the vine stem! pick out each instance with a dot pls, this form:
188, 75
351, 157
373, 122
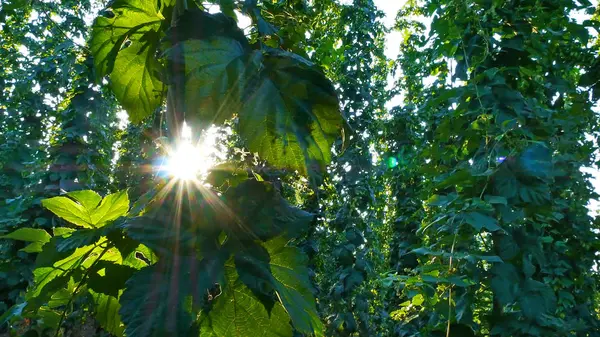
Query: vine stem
87, 272
450, 289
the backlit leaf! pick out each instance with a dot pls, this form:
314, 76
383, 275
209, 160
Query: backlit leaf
291, 115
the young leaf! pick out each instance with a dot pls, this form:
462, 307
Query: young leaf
112, 207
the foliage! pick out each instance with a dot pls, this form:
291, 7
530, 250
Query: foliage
451, 203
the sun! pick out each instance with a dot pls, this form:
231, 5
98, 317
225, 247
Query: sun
188, 159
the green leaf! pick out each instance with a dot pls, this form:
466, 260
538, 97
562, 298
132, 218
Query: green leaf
263, 213
536, 298
13, 312
505, 282
284, 269
211, 77
69, 210
536, 161
528, 267
87, 198
480, 221
507, 247
107, 313
61, 231
80, 238
505, 183
237, 312
159, 234
28, 235
48, 318
135, 78
37, 237
291, 116
438, 200
124, 42
34, 247
226, 175
492, 199
112, 207
113, 278
153, 302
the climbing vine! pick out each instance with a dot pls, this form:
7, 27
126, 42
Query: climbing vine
439, 193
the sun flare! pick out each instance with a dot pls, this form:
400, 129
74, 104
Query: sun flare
189, 159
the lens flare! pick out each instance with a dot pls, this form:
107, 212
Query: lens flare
188, 160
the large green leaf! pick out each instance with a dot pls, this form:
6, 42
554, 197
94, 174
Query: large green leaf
87, 213
112, 207
291, 115
211, 77
289, 268
505, 283
152, 303
275, 266
135, 78
37, 237
165, 235
480, 221
87, 198
107, 313
536, 298
109, 278
69, 210
124, 44
263, 213
237, 312
44, 275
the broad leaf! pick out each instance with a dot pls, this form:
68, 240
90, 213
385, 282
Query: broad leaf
153, 302
536, 298
87, 198
69, 210
283, 269
291, 115
37, 237
107, 313
135, 78
237, 312
505, 283
160, 233
124, 44
211, 77
289, 268
112, 207
480, 221
87, 213
263, 213
109, 278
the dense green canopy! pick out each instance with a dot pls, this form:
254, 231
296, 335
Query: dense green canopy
334, 191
